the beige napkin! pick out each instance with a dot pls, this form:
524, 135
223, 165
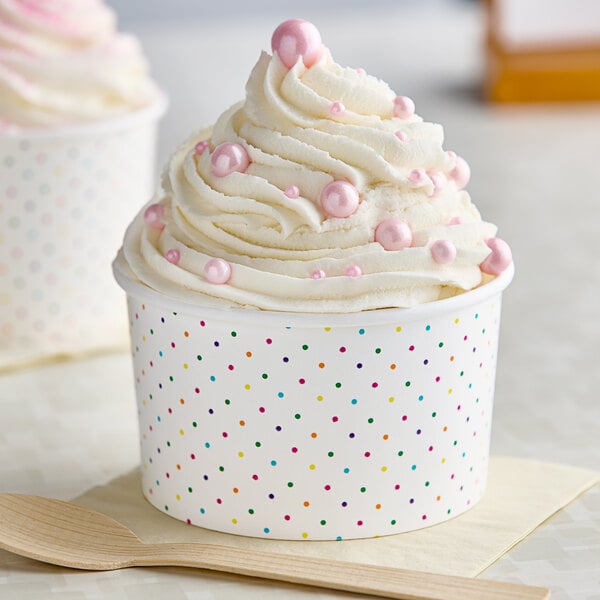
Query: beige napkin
521, 495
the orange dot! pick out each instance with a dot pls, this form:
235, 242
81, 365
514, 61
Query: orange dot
386, 436
313, 435
378, 506
306, 503
143, 307
242, 423
452, 358
179, 467
235, 490
438, 498
143, 372
393, 366
321, 365
181, 401
445, 428
186, 334
248, 354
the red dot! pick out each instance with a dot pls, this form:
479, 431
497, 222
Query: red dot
424, 517
335, 419
202, 323
301, 381
172, 344
255, 477
287, 517
170, 411
397, 486
430, 448
359, 523
219, 501
261, 409
367, 454
197, 390
193, 456
224, 434
269, 341
230, 367
437, 379
188, 521
167, 475
411, 348
404, 417
374, 384
327, 487
343, 349
294, 449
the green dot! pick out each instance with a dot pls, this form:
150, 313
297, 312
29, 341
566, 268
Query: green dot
441, 344
454, 443
323, 522
338, 385
233, 333
199, 357
265, 376
377, 350
170, 377
407, 383
448, 511
330, 454
434, 414
290, 484
363, 490
251, 511
393, 522
227, 401
257, 444
166, 507
190, 490
400, 452
168, 444
304, 347
152, 332
370, 420
194, 424
221, 468
297, 416
427, 484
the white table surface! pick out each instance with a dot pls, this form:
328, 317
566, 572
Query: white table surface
69, 426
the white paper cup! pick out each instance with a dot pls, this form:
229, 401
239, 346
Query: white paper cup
66, 195
317, 427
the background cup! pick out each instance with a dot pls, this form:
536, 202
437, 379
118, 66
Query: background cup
66, 196
320, 427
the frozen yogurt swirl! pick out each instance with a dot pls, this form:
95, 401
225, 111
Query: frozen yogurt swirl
62, 62
321, 192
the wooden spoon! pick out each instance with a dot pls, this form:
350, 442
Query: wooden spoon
69, 535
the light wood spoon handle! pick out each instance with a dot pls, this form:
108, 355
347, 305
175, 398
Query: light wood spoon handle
66, 534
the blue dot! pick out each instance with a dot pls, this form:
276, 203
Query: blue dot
420, 398
202, 511
280, 395
273, 463
158, 419
213, 378
359, 365
160, 353
266, 530
414, 467
354, 401
361, 331
207, 444
339, 538
427, 327
286, 359
346, 470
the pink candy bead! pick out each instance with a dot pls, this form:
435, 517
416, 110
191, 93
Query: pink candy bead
461, 173
393, 234
339, 199
353, 271
173, 256
318, 274
228, 158
443, 252
360, 71
217, 270
201, 147
153, 216
456, 221
404, 107
439, 182
401, 136
297, 38
292, 191
336, 109
499, 259
417, 176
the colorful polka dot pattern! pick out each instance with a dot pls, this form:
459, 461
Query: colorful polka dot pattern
317, 433
64, 206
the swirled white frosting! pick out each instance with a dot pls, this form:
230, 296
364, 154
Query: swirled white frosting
62, 62
275, 243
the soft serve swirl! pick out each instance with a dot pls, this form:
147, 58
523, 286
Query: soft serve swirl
62, 62
321, 192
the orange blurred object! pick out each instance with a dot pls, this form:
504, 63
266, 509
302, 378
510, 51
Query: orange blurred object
542, 50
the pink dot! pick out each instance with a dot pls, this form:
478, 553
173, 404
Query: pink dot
292, 191
336, 109
411, 348
354, 271
335, 419
417, 177
461, 173
443, 252
193, 456
301, 381
401, 136
327, 487
424, 517
367, 454
499, 258
230, 367
374, 384
173, 256
217, 271
360, 70
287, 517
153, 216
318, 274
201, 147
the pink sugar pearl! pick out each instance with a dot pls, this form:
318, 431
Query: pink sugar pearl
354, 271
336, 109
460, 173
292, 191
217, 271
443, 252
439, 183
456, 221
318, 274
404, 107
201, 147
153, 216
401, 136
417, 177
297, 38
339, 199
173, 256
499, 259
393, 234
227, 158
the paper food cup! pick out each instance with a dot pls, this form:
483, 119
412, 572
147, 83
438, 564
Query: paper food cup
66, 195
314, 427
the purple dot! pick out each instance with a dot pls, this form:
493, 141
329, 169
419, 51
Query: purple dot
351, 436
412, 501
278, 428
425, 362
216, 344
359, 365
271, 496
286, 359
418, 432
344, 504
211, 411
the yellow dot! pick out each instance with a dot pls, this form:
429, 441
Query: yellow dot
234, 521
305, 535
443, 460
312, 467
185, 365
450, 391
456, 320
178, 497
181, 432
143, 338
391, 399
383, 469
327, 329
143, 402
399, 328
143, 307
241, 454
320, 398
247, 386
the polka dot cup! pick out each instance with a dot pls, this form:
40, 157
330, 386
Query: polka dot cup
314, 427
66, 195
